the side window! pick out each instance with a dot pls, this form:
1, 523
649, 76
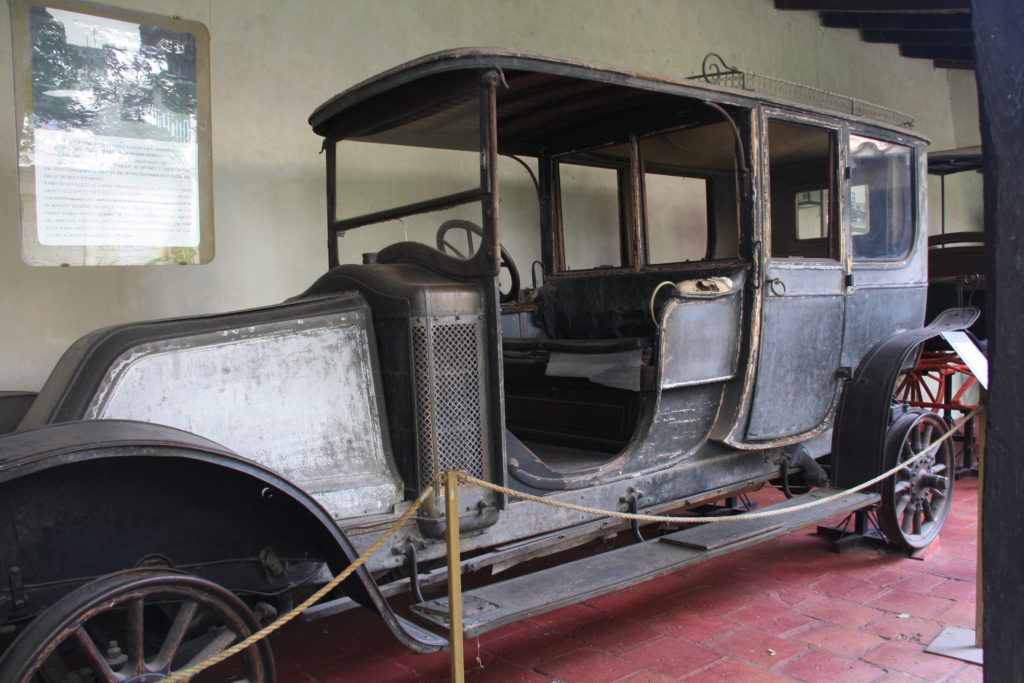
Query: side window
689, 191
801, 162
812, 213
591, 219
682, 183
881, 211
677, 218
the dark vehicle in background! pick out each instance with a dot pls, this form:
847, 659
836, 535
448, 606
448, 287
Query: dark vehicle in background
588, 284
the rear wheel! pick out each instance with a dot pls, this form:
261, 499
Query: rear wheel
916, 500
137, 626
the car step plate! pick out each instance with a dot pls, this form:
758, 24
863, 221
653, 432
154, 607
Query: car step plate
497, 604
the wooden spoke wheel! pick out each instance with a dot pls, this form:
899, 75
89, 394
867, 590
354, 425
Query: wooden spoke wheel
939, 381
916, 500
137, 626
943, 383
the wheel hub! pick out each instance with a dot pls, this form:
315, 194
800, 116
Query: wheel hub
916, 501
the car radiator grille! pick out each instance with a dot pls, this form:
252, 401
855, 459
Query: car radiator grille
448, 365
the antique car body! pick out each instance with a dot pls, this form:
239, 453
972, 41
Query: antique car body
719, 269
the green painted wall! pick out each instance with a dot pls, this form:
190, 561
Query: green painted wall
273, 62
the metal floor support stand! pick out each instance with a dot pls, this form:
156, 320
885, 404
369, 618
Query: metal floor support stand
865, 531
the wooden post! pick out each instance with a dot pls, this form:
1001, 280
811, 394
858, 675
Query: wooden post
998, 27
979, 603
451, 512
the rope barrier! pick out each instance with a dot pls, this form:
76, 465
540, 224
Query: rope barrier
191, 671
463, 477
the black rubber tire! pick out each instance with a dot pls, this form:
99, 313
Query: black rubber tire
915, 503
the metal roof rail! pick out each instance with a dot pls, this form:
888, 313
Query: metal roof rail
715, 71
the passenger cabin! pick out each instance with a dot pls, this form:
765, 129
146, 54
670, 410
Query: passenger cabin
684, 270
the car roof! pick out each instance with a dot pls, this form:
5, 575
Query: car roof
543, 103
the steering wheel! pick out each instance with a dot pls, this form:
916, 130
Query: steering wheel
471, 229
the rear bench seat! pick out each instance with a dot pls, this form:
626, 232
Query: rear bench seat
526, 344
600, 327
603, 313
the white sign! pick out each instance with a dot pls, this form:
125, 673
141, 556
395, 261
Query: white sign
113, 136
970, 354
105, 190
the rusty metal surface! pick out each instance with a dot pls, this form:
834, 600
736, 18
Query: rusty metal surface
873, 313
701, 339
143, 475
797, 378
689, 482
521, 597
271, 390
436, 349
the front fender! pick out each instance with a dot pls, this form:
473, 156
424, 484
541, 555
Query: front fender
91, 497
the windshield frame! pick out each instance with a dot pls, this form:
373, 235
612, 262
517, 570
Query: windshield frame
485, 261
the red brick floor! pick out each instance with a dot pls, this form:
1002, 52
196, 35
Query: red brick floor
785, 610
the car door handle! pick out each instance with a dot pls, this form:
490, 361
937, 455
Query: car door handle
777, 287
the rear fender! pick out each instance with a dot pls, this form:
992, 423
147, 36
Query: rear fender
83, 499
865, 410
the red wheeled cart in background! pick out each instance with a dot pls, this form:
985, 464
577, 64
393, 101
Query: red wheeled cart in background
941, 381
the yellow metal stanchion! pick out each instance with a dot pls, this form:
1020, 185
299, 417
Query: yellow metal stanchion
451, 499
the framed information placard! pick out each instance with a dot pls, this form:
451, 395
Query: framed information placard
113, 109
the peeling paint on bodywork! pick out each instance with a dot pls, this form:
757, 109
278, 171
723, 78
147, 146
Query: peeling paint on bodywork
297, 396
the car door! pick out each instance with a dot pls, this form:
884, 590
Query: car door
888, 249
805, 277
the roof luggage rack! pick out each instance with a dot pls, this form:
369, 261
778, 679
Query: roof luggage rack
715, 71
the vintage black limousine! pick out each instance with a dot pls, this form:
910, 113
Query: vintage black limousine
593, 285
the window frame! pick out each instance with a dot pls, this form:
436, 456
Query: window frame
633, 210
627, 218
709, 211
839, 249
916, 170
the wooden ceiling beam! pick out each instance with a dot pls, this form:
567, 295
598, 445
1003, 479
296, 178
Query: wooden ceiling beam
900, 6
948, 38
939, 30
937, 52
888, 21
954, 64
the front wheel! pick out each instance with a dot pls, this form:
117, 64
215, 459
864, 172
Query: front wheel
137, 626
916, 500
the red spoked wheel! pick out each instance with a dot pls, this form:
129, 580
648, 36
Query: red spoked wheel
939, 382
942, 383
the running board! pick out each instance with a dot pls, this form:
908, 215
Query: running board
497, 604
